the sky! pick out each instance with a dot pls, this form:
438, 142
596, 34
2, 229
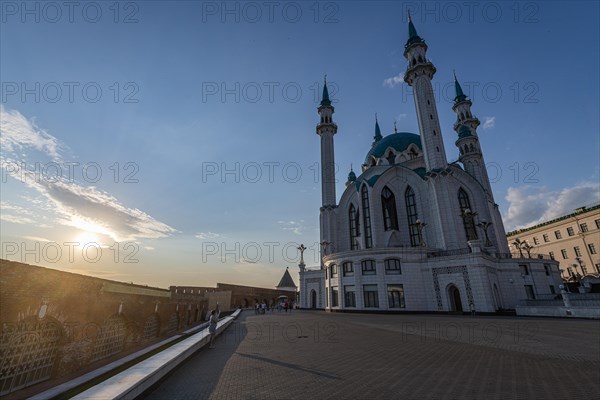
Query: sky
173, 143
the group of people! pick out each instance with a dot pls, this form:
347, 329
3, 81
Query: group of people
263, 307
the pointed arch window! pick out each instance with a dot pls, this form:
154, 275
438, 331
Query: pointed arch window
391, 158
388, 204
467, 214
354, 227
366, 216
413, 216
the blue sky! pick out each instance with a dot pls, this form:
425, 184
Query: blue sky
158, 100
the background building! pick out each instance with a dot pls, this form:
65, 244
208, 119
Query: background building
573, 240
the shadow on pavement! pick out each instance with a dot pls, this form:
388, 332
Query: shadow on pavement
197, 377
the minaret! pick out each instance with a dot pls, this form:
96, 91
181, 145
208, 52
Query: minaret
378, 135
468, 142
418, 74
326, 129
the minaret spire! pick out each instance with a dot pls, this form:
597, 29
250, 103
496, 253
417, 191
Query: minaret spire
325, 99
460, 96
378, 135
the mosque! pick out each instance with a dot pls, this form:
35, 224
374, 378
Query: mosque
413, 232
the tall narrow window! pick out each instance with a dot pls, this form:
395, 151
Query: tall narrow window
467, 214
354, 228
366, 217
411, 212
388, 204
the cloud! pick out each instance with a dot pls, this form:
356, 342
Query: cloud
295, 227
36, 239
16, 219
84, 207
394, 80
489, 122
530, 205
208, 235
92, 210
18, 133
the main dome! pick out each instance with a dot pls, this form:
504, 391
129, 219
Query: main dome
399, 141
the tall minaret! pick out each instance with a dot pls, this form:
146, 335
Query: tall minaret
468, 142
326, 129
419, 73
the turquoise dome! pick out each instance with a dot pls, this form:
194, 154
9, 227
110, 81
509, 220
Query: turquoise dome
398, 141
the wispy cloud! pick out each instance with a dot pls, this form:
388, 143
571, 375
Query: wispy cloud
394, 80
36, 239
295, 227
208, 235
16, 219
18, 133
530, 205
84, 207
489, 122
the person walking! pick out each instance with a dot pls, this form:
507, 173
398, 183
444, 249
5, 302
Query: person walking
212, 325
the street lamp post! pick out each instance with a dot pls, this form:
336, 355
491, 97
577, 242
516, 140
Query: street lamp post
420, 225
324, 245
581, 265
485, 225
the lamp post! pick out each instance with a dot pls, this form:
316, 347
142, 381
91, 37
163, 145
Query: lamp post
518, 243
324, 245
469, 218
485, 225
420, 225
581, 265
301, 248
527, 247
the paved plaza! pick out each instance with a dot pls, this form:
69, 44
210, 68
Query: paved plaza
316, 355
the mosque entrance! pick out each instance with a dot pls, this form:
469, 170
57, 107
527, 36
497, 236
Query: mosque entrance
455, 302
313, 299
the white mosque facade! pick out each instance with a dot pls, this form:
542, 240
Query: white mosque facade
413, 232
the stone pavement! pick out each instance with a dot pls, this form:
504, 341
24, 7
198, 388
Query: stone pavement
316, 355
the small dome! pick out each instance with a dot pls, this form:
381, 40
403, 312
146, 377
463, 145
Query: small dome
398, 141
351, 176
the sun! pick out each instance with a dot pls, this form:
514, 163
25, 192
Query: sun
86, 237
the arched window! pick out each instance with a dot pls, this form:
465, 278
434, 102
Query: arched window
411, 213
354, 227
388, 204
391, 158
467, 214
366, 217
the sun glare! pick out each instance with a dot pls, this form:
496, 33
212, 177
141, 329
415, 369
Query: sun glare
86, 237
